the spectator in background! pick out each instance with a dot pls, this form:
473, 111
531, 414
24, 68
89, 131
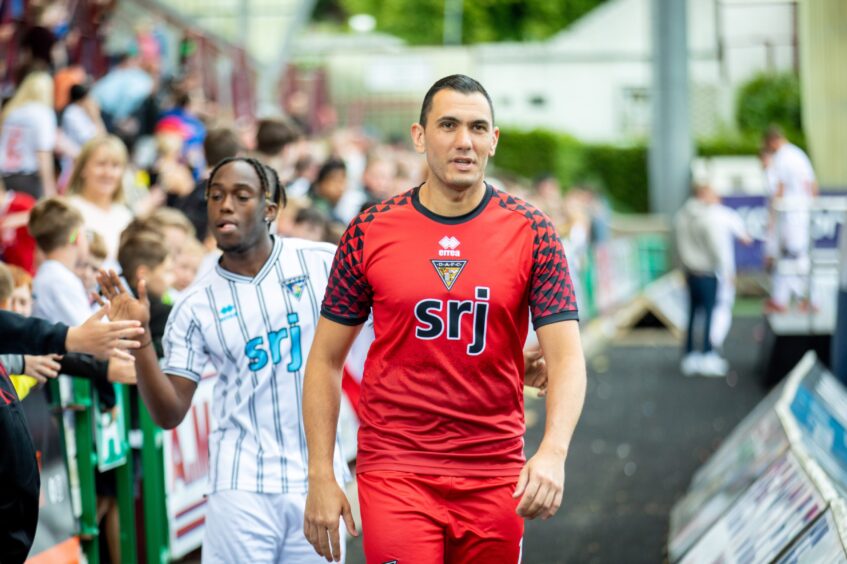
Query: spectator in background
81, 122
377, 185
16, 244
329, 187
121, 92
218, 145
64, 80
185, 268
548, 196
96, 188
309, 224
28, 138
183, 121
25, 371
144, 256
275, 139
305, 172
59, 231
81, 119
698, 239
168, 173
795, 187
20, 301
88, 267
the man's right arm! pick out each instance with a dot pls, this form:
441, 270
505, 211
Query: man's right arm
168, 397
325, 502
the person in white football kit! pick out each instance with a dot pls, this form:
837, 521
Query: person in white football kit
795, 188
253, 318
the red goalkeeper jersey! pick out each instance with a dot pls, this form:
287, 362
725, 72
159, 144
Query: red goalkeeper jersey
442, 391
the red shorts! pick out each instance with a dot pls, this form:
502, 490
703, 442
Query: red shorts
422, 519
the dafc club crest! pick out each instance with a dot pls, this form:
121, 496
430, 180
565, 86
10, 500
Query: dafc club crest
449, 271
295, 286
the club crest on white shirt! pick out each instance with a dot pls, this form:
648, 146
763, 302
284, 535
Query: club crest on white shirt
296, 285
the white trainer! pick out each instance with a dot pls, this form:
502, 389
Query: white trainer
691, 364
713, 366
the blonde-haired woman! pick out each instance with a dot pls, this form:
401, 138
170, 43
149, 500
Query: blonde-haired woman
28, 137
96, 189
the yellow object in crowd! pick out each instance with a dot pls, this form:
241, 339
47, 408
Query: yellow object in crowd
23, 384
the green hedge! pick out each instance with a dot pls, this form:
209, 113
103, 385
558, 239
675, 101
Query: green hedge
619, 172
771, 99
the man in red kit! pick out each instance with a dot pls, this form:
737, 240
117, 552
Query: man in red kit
449, 270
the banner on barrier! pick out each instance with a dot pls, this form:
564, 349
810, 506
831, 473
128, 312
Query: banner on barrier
764, 520
110, 434
186, 454
820, 543
753, 446
819, 407
753, 210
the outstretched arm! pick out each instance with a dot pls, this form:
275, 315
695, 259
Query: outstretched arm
167, 397
541, 482
325, 502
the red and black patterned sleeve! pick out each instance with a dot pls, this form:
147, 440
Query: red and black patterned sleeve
348, 296
551, 294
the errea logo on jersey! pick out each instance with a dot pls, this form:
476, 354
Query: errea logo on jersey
448, 247
227, 312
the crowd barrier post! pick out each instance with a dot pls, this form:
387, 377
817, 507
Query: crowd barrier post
588, 280
125, 478
86, 455
153, 469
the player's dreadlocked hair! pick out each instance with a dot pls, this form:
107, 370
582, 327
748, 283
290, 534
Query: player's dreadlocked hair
274, 191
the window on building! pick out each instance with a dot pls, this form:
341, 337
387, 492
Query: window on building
635, 111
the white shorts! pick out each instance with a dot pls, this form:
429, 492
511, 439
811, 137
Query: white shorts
257, 528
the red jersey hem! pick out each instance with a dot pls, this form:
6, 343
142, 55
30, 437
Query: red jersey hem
436, 470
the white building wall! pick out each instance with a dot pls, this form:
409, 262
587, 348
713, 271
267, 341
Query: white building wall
593, 79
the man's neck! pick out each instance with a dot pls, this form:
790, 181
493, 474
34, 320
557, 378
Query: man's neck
250, 261
447, 202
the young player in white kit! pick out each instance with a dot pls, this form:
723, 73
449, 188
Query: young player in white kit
253, 318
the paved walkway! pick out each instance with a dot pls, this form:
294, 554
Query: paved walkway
644, 431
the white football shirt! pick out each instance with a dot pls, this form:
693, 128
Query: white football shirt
26, 131
257, 333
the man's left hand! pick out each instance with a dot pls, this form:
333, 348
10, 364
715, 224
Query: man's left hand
542, 484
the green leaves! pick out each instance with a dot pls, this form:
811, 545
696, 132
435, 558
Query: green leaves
421, 22
771, 99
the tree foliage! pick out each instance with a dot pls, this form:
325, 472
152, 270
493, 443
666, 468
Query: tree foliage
770, 99
421, 22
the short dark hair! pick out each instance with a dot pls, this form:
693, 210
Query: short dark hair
52, 223
142, 248
457, 82
220, 144
274, 134
78, 92
310, 216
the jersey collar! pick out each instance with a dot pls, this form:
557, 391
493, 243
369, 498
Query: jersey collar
266, 268
447, 220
